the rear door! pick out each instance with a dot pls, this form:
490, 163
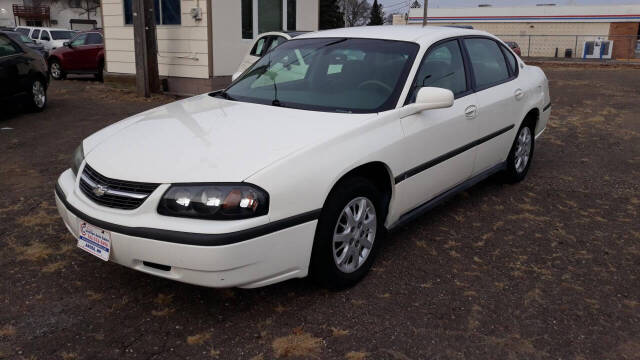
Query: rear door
498, 99
89, 52
437, 150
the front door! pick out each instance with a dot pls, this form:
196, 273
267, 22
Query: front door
73, 59
437, 149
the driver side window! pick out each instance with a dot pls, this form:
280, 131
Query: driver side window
443, 67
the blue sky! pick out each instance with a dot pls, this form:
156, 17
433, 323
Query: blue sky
392, 6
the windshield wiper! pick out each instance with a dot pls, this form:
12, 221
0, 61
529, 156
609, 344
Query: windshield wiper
223, 94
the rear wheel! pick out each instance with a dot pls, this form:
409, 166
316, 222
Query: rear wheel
521, 154
100, 72
55, 69
38, 96
348, 235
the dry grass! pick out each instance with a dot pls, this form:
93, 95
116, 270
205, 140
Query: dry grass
339, 332
93, 296
7, 331
68, 355
53, 267
299, 344
198, 339
163, 299
356, 355
214, 353
34, 252
162, 312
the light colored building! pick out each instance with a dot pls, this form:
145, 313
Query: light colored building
540, 30
200, 53
45, 13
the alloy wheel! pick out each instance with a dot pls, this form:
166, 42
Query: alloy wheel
354, 234
523, 149
39, 95
55, 70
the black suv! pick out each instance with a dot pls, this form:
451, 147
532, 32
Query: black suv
23, 73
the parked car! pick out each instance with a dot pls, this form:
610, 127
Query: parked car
273, 178
27, 41
84, 54
23, 73
262, 44
50, 38
514, 46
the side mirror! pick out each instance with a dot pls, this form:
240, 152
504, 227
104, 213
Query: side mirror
429, 98
67, 44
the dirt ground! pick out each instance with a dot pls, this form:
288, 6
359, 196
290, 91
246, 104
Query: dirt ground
547, 268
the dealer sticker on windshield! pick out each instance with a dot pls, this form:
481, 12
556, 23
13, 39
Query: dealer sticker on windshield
95, 241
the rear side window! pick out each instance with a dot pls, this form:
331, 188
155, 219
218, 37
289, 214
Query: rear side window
442, 67
24, 31
94, 39
511, 60
260, 46
487, 61
45, 35
35, 34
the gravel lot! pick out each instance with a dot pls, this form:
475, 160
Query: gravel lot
547, 268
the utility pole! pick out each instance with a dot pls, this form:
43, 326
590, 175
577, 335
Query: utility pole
424, 15
146, 47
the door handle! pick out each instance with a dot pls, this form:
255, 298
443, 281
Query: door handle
519, 94
471, 112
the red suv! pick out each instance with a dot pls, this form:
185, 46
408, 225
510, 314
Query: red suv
83, 54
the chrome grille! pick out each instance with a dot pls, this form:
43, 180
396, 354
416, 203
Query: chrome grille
113, 193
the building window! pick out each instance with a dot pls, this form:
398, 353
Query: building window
247, 19
261, 16
291, 15
167, 12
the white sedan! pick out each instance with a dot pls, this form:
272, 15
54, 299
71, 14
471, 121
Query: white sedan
280, 176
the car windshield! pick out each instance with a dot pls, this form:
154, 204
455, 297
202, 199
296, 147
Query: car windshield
26, 39
328, 74
61, 34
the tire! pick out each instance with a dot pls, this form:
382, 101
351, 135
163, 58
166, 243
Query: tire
325, 262
521, 151
55, 69
100, 72
37, 95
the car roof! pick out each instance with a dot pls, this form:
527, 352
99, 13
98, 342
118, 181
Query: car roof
43, 28
419, 34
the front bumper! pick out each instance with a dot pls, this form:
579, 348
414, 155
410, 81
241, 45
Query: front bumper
264, 259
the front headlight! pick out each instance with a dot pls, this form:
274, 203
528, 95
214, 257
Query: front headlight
214, 201
76, 160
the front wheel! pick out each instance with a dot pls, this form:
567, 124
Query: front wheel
38, 96
348, 235
521, 154
55, 69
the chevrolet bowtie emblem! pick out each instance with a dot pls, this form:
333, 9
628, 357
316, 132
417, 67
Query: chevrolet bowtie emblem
99, 190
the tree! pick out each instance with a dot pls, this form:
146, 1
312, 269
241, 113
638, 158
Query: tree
89, 6
356, 12
331, 16
377, 15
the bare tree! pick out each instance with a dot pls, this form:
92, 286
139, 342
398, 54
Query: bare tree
356, 12
88, 6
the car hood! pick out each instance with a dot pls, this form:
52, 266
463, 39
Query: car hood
207, 139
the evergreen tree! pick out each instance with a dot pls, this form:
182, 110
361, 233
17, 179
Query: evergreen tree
377, 17
330, 15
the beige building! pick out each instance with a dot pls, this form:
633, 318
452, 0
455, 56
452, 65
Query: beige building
547, 30
201, 42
